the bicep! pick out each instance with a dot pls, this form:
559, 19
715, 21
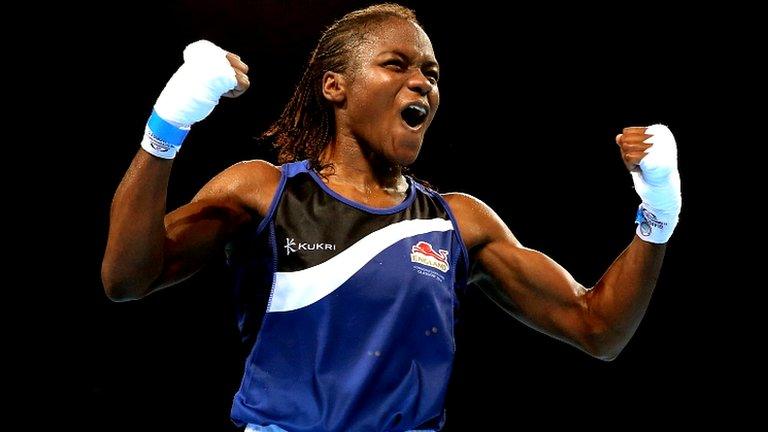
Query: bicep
526, 283
195, 231
193, 234
532, 287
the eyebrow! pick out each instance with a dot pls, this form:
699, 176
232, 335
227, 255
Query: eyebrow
428, 63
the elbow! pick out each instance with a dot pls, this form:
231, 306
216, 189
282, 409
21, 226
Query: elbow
120, 289
118, 292
603, 342
601, 350
607, 355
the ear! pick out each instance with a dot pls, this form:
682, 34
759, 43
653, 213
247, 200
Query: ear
334, 87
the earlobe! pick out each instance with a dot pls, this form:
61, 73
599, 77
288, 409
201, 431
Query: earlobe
334, 87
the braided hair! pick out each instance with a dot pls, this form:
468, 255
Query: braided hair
307, 124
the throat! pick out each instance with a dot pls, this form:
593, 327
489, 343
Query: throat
367, 194
365, 179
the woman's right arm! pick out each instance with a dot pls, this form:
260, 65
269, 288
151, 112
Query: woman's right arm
148, 250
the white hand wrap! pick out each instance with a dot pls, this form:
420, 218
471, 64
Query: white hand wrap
657, 181
190, 95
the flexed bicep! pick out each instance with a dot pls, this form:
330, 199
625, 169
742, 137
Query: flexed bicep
194, 233
524, 282
533, 288
199, 229
137, 265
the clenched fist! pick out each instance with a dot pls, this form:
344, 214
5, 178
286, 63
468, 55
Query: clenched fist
650, 154
241, 74
208, 73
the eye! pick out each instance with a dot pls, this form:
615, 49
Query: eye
395, 64
433, 75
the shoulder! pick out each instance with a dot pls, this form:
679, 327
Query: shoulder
256, 170
478, 223
251, 184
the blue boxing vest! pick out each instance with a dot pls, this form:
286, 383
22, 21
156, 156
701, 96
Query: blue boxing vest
348, 310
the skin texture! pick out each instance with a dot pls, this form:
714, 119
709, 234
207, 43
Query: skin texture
394, 67
148, 250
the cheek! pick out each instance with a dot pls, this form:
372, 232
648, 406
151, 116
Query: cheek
367, 96
434, 102
378, 87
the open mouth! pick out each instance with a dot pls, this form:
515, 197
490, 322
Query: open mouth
414, 115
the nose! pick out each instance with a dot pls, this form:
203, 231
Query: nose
419, 83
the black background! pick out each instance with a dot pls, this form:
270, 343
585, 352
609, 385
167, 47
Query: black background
531, 100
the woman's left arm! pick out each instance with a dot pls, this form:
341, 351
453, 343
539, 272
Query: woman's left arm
539, 292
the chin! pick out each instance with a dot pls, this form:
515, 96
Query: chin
406, 158
402, 146
406, 149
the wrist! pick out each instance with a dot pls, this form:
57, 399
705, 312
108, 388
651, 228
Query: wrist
163, 138
655, 226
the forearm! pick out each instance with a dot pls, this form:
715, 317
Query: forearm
620, 298
134, 255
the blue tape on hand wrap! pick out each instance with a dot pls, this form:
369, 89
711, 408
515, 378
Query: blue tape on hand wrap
165, 131
162, 138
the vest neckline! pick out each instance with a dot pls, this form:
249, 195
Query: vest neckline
374, 210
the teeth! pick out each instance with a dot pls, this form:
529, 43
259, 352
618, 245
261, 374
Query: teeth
420, 109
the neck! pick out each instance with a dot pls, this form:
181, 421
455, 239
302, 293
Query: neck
365, 170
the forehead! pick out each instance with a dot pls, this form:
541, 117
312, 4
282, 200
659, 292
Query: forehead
397, 34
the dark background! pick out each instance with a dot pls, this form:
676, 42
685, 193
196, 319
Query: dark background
532, 99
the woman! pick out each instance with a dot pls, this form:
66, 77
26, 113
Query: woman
355, 263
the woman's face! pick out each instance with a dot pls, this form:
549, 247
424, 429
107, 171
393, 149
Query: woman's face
392, 93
